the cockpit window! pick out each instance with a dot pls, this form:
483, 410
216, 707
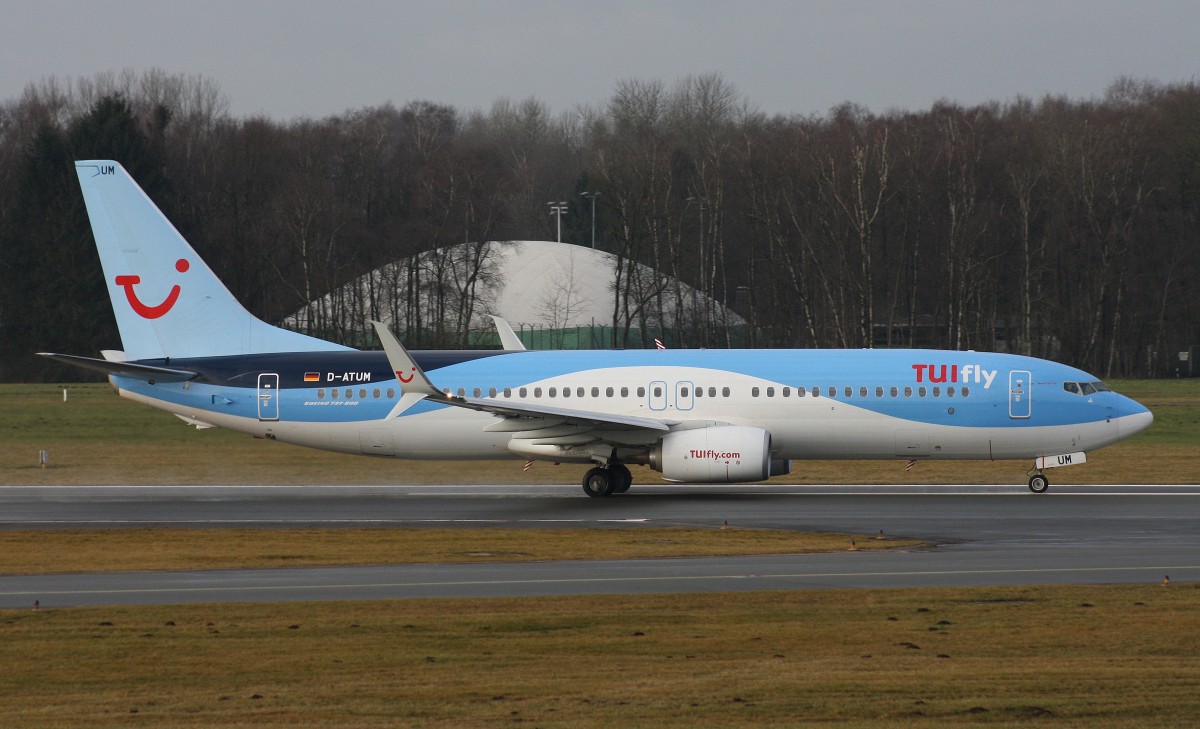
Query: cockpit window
1086, 388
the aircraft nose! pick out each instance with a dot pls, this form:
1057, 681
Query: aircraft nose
1136, 423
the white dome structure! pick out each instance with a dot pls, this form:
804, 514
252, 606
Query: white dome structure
537, 286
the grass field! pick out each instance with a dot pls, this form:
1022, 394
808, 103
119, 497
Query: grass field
1095, 657
113, 550
98, 438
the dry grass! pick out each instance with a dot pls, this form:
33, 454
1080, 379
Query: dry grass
1112, 656
98, 438
41, 552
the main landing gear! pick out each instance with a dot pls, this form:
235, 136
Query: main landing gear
616, 479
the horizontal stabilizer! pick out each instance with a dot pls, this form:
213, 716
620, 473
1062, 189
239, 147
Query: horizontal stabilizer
129, 369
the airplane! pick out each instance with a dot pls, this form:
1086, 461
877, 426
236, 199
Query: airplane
695, 416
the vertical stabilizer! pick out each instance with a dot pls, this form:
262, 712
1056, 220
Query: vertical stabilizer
168, 302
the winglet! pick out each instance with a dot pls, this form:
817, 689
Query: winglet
508, 338
412, 378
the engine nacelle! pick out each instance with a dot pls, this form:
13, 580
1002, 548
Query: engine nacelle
721, 454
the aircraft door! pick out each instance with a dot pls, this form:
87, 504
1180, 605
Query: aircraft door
658, 395
268, 396
684, 395
1020, 394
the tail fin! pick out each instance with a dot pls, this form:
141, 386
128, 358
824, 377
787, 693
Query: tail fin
168, 302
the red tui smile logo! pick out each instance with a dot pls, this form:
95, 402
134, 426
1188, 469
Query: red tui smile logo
147, 311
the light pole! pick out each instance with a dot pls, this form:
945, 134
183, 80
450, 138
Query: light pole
592, 196
558, 209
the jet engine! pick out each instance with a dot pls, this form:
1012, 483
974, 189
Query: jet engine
720, 454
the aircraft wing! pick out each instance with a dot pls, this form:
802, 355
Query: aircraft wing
518, 416
568, 416
129, 369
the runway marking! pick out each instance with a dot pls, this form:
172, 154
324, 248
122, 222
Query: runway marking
595, 580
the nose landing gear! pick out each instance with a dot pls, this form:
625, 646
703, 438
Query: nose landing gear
1038, 483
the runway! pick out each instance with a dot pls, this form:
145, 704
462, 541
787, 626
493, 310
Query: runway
981, 536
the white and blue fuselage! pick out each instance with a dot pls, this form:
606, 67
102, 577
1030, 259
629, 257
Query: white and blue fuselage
852, 404
703, 416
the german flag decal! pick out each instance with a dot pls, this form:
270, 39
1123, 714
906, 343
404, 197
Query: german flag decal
312, 376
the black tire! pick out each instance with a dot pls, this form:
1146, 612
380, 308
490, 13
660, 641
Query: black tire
598, 482
1038, 484
622, 478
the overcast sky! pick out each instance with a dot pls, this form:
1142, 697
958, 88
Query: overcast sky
320, 57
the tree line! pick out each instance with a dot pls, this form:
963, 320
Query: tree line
1059, 228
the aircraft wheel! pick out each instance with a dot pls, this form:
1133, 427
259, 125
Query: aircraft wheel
1038, 484
622, 478
597, 482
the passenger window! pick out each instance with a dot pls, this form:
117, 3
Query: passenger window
908, 391
849, 391
724, 392
537, 392
683, 392
523, 392
966, 392
375, 393
770, 392
658, 392
801, 392
553, 392
937, 392
833, 392
508, 392
478, 392
579, 392
895, 392
816, 392
641, 392
699, 392
491, 392
595, 392
921, 391
349, 394
787, 391
754, 392
566, 392
608, 392
712, 392
321, 394
949, 392
462, 392
391, 394
624, 392
878, 392
336, 393
862, 392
